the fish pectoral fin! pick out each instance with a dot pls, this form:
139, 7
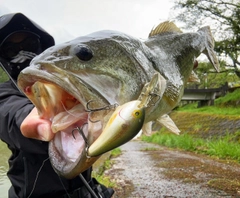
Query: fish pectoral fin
193, 77
147, 128
209, 47
167, 122
153, 91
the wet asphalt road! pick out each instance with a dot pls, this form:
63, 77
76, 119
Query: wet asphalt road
138, 173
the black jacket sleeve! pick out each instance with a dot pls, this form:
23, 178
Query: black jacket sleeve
14, 107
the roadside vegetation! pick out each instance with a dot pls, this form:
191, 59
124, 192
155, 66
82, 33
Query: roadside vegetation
99, 172
226, 105
223, 147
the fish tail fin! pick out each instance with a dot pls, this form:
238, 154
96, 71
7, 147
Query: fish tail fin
209, 47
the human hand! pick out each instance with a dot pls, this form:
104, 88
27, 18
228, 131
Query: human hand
35, 127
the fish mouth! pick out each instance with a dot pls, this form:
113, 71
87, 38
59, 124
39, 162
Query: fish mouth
74, 122
75, 127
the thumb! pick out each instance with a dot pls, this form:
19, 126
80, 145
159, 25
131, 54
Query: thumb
35, 127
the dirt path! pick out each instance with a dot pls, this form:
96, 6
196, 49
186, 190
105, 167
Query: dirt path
151, 171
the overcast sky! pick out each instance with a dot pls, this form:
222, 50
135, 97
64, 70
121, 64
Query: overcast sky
68, 19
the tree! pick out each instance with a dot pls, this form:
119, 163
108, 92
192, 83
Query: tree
223, 16
210, 79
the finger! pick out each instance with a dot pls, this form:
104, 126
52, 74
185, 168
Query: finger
35, 127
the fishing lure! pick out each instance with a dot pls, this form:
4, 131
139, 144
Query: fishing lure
125, 122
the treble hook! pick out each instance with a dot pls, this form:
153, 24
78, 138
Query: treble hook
149, 99
107, 107
80, 130
152, 102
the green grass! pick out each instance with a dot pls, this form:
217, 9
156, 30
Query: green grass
99, 175
231, 99
116, 152
192, 108
3, 76
226, 105
150, 149
223, 148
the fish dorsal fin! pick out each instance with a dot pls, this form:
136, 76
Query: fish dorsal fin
165, 27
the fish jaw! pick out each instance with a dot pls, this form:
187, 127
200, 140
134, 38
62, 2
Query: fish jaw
66, 110
67, 148
62, 165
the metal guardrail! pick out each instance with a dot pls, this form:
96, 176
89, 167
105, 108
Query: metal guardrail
204, 96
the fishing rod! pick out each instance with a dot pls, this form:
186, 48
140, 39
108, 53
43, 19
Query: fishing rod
90, 190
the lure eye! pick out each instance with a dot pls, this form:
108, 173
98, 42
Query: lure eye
83, 52
137, 113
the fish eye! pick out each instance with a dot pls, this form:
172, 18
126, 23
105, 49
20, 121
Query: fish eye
83, 52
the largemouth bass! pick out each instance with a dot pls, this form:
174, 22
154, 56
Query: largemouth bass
79, 84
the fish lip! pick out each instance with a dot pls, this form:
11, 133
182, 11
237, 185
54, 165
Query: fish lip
63, 167
64, 164
47, 71
70, 170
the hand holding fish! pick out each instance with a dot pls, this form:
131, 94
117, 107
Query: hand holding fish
35, 127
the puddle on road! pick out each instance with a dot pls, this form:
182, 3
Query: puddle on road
200, 170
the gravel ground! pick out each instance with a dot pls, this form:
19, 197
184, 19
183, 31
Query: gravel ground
151, 171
